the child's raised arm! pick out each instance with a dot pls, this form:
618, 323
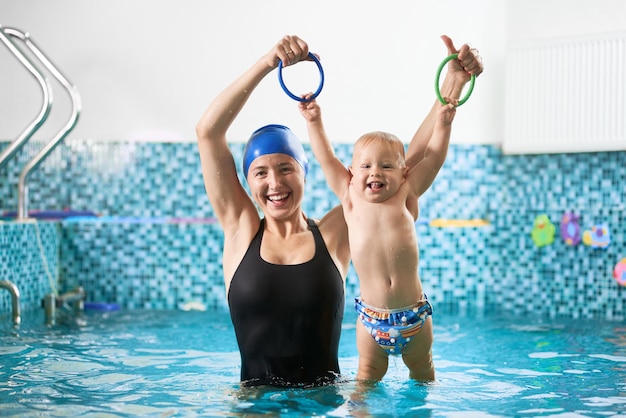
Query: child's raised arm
424, 173
458, 74
337, 175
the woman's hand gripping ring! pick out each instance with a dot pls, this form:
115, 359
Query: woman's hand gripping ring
289, 93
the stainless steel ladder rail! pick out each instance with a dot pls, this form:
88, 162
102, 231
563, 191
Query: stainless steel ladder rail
22, 208
5, 36
15, 299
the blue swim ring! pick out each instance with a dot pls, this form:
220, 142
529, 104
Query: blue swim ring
289, 93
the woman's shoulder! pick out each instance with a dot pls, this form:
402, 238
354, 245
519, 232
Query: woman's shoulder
332, 217
335, 234
333, 225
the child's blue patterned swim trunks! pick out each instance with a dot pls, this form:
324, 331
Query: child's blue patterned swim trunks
393, 328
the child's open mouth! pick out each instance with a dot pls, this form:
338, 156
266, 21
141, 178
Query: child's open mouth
375, 186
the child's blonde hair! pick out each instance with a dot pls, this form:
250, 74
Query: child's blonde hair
384, 138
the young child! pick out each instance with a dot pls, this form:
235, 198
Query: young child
379, 194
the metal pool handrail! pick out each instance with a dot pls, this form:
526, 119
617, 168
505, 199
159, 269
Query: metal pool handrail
22, 210
74, 298
46, 90
15, 299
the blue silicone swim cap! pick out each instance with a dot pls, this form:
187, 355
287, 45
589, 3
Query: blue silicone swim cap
274, 139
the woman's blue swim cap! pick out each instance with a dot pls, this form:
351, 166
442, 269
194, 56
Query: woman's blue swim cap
274, 139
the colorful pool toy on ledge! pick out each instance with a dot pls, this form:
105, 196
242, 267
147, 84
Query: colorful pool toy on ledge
570, 229
619, 272
597, 237
543, 231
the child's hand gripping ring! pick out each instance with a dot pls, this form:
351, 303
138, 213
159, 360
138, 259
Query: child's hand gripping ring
438, 91
293, 96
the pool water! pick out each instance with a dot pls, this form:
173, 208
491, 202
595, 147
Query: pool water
176, 363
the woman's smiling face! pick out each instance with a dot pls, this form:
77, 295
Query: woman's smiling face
277, 184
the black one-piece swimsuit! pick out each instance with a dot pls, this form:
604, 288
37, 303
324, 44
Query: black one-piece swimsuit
287, 318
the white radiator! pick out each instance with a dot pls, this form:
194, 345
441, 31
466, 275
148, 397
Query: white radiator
566, 95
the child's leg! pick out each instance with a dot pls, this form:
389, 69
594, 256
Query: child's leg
373, 360
417, 354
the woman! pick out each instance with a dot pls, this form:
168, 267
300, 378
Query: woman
284, 273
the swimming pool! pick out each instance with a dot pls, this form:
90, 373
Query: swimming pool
176, 363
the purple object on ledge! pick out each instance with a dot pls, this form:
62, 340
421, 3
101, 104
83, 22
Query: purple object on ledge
51, 214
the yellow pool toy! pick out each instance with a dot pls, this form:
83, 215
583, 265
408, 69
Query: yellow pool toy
458, 223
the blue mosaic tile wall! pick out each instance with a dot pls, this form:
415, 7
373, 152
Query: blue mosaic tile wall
29, 258
111, 179
158, 252
144, 264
